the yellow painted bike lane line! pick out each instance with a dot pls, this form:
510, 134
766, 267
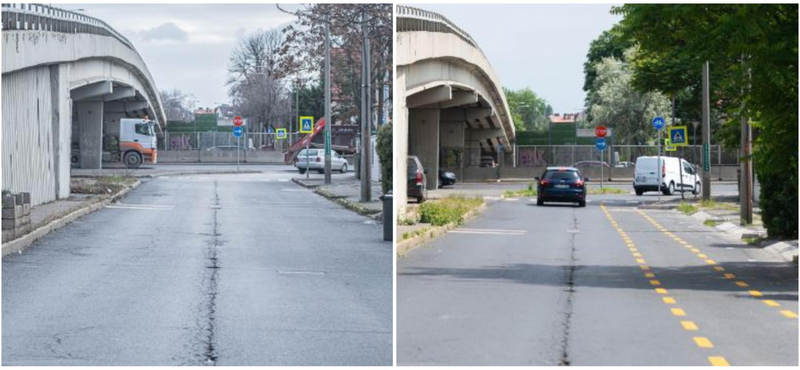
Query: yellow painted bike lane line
727, 273
661, 292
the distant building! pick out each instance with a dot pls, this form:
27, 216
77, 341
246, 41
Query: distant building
570, 118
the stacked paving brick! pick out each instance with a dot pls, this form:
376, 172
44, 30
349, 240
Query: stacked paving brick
16, 215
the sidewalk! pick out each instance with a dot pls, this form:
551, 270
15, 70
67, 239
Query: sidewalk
722, 214
52, 216
346, 190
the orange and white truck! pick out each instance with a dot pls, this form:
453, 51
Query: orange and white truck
135, 144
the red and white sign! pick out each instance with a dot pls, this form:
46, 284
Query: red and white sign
238, 121
600, 131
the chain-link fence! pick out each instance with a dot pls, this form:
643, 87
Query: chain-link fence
225, 141
567, 155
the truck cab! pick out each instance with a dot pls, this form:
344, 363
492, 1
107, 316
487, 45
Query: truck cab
136, 143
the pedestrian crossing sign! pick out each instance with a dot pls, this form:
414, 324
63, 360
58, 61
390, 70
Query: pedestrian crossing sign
669, 146
281, 133
306, 125
677, 136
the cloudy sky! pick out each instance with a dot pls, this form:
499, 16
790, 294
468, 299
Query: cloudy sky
187, 46
540, 46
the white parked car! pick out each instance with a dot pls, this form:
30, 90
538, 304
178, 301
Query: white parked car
316, 161
648, 176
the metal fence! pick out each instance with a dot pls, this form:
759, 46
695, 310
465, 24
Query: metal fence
566, 155
225, 141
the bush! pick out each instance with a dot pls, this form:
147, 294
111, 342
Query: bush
448, 210
384, 149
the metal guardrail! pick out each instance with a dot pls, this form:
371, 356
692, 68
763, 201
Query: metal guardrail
48, 18
415, 19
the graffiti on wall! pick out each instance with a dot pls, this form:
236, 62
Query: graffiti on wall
180, 143
532, 158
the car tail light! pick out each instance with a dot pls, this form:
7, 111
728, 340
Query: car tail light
544, 183
577, 184
418, 177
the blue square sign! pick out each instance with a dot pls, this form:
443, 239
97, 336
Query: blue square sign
306, 124
677, 135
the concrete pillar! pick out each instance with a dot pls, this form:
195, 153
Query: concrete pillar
62, 128
400, 142
451, 138
90, 121
423, 141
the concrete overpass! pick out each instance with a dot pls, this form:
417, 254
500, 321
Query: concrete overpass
447, 96
67, 80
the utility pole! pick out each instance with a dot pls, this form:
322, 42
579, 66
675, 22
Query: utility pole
327, 100
706, 135
293, 127
366, 186
746, 163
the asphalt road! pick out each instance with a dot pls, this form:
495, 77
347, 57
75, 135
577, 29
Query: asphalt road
494, 189
560, 285
246, 269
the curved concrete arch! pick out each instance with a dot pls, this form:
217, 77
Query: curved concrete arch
419, 53
24, 49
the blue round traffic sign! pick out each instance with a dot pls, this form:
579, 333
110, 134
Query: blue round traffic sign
237, 131
601, 143
659, 123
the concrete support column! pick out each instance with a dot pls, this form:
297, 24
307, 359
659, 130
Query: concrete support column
451, 138
400, 143
90, 121
423, 141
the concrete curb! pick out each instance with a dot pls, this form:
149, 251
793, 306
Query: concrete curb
784, 250
303, 184
21, 243
353, 206
170, 174
405, 246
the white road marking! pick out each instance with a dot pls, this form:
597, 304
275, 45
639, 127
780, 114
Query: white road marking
145, 207
489, 231
301, 272
512, 199
283, 180
294, 190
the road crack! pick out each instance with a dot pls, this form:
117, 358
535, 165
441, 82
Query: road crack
569, 279
210, 288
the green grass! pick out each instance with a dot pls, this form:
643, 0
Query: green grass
687, 208
607, 191
753, 241
710, 223
415, 233
530, 191
448, 210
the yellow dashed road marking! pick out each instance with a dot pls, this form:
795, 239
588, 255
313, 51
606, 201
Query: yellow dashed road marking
711, 262
771, 303
703, 342
640, 260
644, 267
689, 325
741, 284
661, 291
729, 276
702, 255
649, 275
717, 361
719, 268
755, 293
668, 300
655, 282
789, 314
678, 312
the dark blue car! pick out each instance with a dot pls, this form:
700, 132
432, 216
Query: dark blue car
561, 184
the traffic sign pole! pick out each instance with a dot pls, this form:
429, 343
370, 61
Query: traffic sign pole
238, 148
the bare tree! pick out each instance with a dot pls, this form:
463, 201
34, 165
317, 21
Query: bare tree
255, 82
177, 105
302, 52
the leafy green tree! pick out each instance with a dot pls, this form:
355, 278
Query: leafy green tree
384, 149
619, 105
752, 52
528, 110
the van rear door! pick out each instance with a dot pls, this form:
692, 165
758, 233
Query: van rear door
647, 172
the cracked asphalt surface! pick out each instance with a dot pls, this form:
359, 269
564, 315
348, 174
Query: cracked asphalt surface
558, 285
246, 269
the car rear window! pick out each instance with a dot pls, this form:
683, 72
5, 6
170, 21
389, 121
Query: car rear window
311, 152
561, 175
411, 166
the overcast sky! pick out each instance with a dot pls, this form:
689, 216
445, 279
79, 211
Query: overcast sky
540, 46
187, 46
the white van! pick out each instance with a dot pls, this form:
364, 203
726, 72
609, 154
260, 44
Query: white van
646, 176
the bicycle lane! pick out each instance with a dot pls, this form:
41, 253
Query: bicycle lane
743, 302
